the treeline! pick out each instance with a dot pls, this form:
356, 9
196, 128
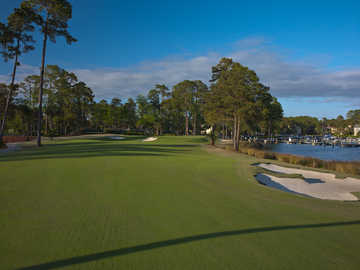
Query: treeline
235, 103
16, 37
67, 104
55, 103
69, 108
306, 125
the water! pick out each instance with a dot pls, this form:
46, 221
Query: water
317, 151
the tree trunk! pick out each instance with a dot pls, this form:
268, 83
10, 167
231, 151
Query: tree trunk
28, 131
212, 135
39, 126
10, 93
187, 124
236, 136
194, 124
46, 123
234, 132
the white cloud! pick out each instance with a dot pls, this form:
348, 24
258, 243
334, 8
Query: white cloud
21, 72
131, 82
286, 78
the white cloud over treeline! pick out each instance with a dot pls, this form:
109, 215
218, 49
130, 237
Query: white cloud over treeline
287, 78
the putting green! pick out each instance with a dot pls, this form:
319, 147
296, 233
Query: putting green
169, 204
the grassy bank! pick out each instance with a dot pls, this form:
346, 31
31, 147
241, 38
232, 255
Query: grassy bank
346, 167
170, 204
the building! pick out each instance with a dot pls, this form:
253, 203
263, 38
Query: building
333, 130
356, 130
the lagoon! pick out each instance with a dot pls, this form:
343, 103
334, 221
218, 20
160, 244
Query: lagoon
317, 151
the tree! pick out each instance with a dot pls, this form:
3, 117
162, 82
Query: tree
115, 112
52, 17
67, 102
154, 110
15, 40
129, 113
148, 112
237, 94
199, 96
184, 95
214, 114
99, 114
308, 125
29, 88
3, 95
272, 114
158, 98
353, 116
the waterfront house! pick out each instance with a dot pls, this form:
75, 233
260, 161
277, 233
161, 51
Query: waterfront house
356, 130
333, 130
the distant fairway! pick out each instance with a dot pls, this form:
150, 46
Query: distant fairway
170, 204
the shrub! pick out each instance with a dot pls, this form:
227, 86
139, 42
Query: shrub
306, 161
3, 145
251, 151
283, 157
270, 155
317, 163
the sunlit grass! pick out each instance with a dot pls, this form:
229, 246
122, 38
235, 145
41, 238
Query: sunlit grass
98, 203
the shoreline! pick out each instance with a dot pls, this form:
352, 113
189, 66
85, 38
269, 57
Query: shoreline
351, 168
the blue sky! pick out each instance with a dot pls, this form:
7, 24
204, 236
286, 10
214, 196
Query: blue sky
306, 51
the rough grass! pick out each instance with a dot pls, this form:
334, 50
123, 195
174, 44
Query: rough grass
104, 204
357, 194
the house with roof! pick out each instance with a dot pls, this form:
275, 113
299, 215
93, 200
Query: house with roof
356, 130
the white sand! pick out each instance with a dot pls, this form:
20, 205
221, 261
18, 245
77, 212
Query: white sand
116, 138
150, 139
316, 184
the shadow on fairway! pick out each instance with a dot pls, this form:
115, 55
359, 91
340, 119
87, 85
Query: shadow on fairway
95, 148
173, 242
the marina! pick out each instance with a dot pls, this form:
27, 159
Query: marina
321, 151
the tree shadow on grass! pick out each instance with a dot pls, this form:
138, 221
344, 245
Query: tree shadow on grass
94, 149
173, 242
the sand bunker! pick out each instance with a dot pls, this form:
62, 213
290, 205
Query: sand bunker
116, 138
150, 139
316, 184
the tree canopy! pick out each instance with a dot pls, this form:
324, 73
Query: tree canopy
237, 97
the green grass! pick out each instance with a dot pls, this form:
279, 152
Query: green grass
169, 204
357, 194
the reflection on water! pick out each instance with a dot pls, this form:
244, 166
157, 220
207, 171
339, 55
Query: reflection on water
317, 151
